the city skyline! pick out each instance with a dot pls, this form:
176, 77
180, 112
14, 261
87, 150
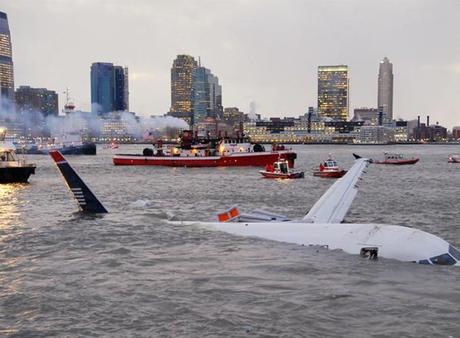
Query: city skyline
255, 62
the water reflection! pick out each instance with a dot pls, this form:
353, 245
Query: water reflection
9, 201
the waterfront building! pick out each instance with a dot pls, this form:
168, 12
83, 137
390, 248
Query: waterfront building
116, 127
375, 135
33, 100
234, 117
368, 115
456, 133
385, 88
181, 84
333, 92
400, 131
109, 88
6, 61
210, 127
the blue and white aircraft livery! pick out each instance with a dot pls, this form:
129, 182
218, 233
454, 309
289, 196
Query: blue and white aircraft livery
87, 201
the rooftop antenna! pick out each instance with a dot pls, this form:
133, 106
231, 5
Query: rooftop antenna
199, 61
67, 95
69, 105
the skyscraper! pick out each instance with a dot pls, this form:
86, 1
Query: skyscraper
109, 88
6, 61
206, 95
181, 84
333, 92
385, 88
35, 100
120, 97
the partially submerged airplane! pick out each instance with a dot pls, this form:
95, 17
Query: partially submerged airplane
321, 226
87, 201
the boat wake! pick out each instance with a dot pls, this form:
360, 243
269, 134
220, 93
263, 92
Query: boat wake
138, 204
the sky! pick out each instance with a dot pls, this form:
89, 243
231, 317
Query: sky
263, 51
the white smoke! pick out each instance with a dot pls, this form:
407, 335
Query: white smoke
86, 123
252, 111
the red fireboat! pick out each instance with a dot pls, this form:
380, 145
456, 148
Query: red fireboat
280, 169
206, 152
329, 169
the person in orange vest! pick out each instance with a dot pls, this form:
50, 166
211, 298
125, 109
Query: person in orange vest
321, 166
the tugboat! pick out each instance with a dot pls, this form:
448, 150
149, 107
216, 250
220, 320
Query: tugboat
329, 169
281, 169
397, 159
453, 159
13, 169
207, 152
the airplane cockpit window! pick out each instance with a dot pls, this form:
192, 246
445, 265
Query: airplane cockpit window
444, 259
454, 252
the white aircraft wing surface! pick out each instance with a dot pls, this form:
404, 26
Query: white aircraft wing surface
336, 201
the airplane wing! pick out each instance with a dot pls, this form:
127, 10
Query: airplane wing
234, 215
85, 198
336, 201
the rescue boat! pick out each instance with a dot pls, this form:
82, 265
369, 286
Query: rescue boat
329, 169
396, 159
280, 169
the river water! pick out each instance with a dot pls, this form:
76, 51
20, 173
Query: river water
132, 273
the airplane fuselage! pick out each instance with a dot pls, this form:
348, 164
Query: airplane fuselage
392, 241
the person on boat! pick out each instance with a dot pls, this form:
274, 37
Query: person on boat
321, 166
269, 168
283, 168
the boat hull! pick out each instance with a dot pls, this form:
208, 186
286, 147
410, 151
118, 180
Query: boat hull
84, 149
257, 159
268, 174
329, 174
398, 162
16, 174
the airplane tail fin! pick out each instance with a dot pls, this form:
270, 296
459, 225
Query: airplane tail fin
87, 201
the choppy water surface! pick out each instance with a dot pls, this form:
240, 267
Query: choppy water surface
133, 273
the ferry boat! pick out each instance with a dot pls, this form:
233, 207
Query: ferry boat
453, 159
226, 152
396, 159
12, 168
329, 169
66, 144
280, 169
